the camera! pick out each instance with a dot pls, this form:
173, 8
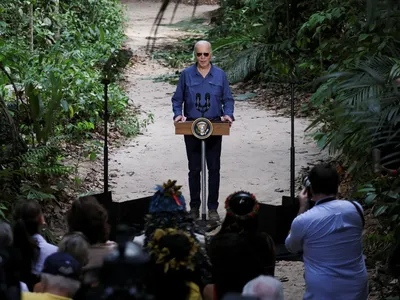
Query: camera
307, 186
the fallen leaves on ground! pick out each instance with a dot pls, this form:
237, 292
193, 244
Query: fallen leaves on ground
276, 97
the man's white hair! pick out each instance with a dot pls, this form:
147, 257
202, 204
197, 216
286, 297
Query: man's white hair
265, 288
202, 42
56, 282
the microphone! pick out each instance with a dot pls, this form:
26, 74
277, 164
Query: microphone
198, 100
208, 100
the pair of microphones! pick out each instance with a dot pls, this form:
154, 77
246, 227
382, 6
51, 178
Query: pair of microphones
203, 106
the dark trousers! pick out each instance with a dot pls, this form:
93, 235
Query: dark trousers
213, 158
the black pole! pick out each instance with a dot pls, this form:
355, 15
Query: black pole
292, 149
106, 82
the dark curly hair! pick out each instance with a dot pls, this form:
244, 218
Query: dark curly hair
88, 216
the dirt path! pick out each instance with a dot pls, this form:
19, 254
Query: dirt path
255, 157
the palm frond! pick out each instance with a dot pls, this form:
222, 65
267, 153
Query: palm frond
364, 114
248, 62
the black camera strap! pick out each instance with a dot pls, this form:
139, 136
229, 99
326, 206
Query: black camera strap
352, 202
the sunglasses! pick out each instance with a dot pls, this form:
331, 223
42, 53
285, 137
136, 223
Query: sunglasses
205, 54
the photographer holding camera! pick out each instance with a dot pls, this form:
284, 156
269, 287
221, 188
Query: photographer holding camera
330, 237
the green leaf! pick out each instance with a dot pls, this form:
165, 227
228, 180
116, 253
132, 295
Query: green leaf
370, 199
71, 111
92, 156
367, 190
363, 36
380, 210
64, 105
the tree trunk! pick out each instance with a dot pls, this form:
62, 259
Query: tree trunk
31, 25
11, 143
57, 13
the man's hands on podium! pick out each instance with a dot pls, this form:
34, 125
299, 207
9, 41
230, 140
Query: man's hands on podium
180, 119
227, 118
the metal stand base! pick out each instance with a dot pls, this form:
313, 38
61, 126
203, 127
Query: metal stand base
204, 226
203, 182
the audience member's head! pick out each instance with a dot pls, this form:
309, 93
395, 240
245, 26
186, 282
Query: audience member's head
236, 258
324, 180
60, 275
167, 209
28, 218
88, 216
241, 213
6, 235
264, 288
9, 263
167, 198
75, 244
174, 258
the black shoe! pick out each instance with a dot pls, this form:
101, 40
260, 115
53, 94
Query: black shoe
213, 215
195, 213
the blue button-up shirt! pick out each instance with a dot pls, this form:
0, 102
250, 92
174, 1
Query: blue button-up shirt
330, 237
191, 82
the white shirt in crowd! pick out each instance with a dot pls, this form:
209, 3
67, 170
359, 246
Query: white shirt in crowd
45, 250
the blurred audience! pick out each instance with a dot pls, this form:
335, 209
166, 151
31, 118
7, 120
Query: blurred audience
236, 258
88, 216
180, 263
75, 244
167, 210
10, 259
60, 278
174, 259
34, 249
264, 288
242, 210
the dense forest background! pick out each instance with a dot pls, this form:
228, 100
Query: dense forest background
54, 54
346, 53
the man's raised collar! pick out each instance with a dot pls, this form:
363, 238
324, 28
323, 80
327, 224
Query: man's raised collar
323, 199
211, 72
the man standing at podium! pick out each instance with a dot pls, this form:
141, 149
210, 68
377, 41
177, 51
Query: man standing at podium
203, 82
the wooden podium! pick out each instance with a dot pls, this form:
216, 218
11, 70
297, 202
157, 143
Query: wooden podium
219, 128
202, 129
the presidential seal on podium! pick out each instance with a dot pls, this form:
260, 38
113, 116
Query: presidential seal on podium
202, 128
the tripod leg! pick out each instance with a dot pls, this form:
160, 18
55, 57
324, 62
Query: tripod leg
292, 147
203, 181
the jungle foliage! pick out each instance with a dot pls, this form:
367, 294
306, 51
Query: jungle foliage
53, 57
347, 53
